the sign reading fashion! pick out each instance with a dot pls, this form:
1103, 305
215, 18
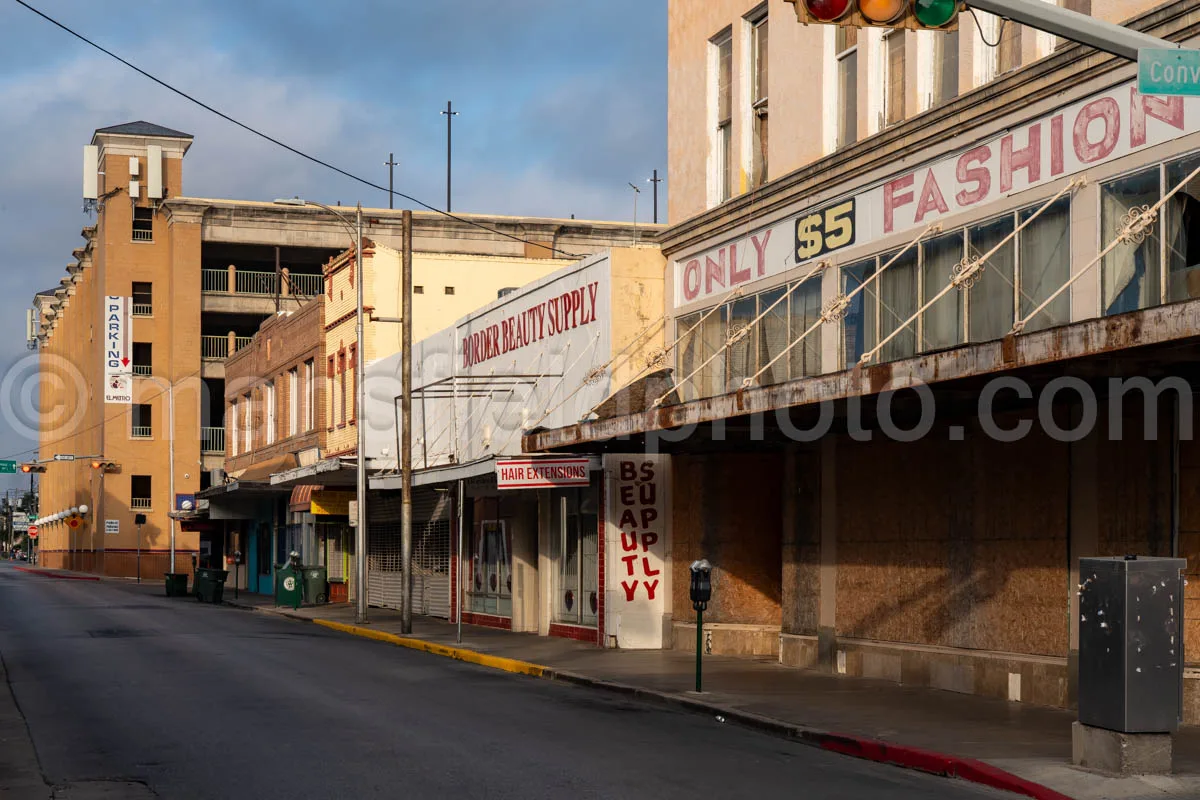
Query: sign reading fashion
118, 365
1094, 131
541, 321
541, 473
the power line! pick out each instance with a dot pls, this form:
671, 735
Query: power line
282, 144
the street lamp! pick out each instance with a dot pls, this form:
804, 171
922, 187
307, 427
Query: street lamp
360, 531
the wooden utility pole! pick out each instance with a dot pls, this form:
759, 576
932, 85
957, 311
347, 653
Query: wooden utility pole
406, 427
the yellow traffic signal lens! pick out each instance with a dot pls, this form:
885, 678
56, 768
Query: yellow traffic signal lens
882, 11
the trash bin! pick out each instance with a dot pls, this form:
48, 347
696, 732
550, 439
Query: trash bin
209, 586
177, 583
289, 589
316, 585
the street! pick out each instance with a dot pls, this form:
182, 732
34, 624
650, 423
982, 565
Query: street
195, 701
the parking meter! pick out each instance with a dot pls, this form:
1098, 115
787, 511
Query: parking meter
701, 588
701, 593
237, 572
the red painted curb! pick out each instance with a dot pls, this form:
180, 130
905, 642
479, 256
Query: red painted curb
967, 769
45, 574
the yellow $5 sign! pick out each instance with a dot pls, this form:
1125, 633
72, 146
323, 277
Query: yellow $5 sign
821, 231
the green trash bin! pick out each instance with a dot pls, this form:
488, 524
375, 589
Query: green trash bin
316, 585
289, 588
210, 584
177, 583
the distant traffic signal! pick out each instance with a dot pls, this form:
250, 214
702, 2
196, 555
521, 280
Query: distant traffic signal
27, 468
914, 14
106, 466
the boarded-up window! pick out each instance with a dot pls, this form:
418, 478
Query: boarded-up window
894, 98
758, 100
1008, 53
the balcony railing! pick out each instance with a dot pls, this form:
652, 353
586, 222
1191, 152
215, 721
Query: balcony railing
142, 369
143, 235
216, 348
212, 440
141, 503
140, 432
261, 284
241, 341
143, 310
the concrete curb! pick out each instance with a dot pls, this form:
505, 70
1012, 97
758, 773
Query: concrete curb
60, 576
966, 769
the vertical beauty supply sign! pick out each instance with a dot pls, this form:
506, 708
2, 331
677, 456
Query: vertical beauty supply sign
118, 361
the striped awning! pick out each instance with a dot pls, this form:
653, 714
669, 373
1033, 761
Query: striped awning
302, 497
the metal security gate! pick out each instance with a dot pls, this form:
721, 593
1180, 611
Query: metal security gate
430, 551
337, 553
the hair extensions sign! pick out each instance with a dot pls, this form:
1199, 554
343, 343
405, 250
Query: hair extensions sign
1065, 142
637, 549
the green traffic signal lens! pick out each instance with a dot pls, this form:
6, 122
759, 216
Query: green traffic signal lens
935, 13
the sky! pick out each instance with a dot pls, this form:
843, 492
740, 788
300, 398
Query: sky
561, 105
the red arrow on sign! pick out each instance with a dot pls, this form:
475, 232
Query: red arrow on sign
125, 362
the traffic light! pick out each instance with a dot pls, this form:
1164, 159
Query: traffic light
106, 466
912, 14
27, 468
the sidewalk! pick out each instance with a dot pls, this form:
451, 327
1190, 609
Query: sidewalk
1030, 742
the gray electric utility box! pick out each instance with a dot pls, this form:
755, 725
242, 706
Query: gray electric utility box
1131, 643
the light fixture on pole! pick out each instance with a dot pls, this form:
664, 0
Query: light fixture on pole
360, 529
636, 192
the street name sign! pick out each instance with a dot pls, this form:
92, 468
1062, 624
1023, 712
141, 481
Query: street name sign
1173, 71
64, 456
8, 467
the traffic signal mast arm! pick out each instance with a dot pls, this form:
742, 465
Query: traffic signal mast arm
1106, 36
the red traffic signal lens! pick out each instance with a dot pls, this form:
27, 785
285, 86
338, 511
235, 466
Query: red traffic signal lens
827, 10
882, 11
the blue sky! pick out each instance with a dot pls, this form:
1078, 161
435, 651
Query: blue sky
561, 105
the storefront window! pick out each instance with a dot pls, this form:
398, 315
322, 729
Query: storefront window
1044, 261
858, 331
898, 302
1181, 220
490, 587
573, 550
772, 336
991, 298
1131, 270
711, 380
942, 325
687, 353
806, 310
742, 353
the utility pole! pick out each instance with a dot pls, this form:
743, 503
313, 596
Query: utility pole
656, 181
360, 358
406, 421
450, 115
390, 164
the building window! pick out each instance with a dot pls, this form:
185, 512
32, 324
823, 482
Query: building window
269, 409
722, 48
143, 299
942, 323
893, 98
139, 492
898, 302
489, 590
143, 359
247, 424
233, 429
341, 368
991, 299
143, 224
1181, 229
1130, 272
352, 368
847, 85
573, 550
805, 311
758, 98
330, 396
310, 394
858, 329
1044, 264
1008, 51
418, 290
140, 425
293, 389
449, 290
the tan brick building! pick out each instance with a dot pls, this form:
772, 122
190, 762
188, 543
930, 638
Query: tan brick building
199, 276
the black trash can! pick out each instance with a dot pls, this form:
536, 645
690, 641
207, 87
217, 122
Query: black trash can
210, 584
316, 584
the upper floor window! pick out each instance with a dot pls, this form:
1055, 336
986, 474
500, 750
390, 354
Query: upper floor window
293, 390
310, 394
945, 65
140, 425
846, 49
893, 98
269, 411
722, 54
143, 224
143, 358
1008, 51
143, 299
758, 98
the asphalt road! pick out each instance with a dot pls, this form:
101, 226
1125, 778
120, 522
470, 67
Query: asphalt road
196, 701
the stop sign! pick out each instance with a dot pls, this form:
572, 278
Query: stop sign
33, 531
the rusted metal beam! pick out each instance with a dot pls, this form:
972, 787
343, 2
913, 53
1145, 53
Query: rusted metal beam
1160, 325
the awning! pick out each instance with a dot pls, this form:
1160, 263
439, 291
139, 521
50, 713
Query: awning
263, 470
302, 496
330, 473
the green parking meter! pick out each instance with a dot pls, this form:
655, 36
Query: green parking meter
701, 592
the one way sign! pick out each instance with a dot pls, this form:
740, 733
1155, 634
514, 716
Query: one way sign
117, 327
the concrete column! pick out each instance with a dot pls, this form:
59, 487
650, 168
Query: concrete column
827, 604
232, 279
232, 340
285, 288
1083, 540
